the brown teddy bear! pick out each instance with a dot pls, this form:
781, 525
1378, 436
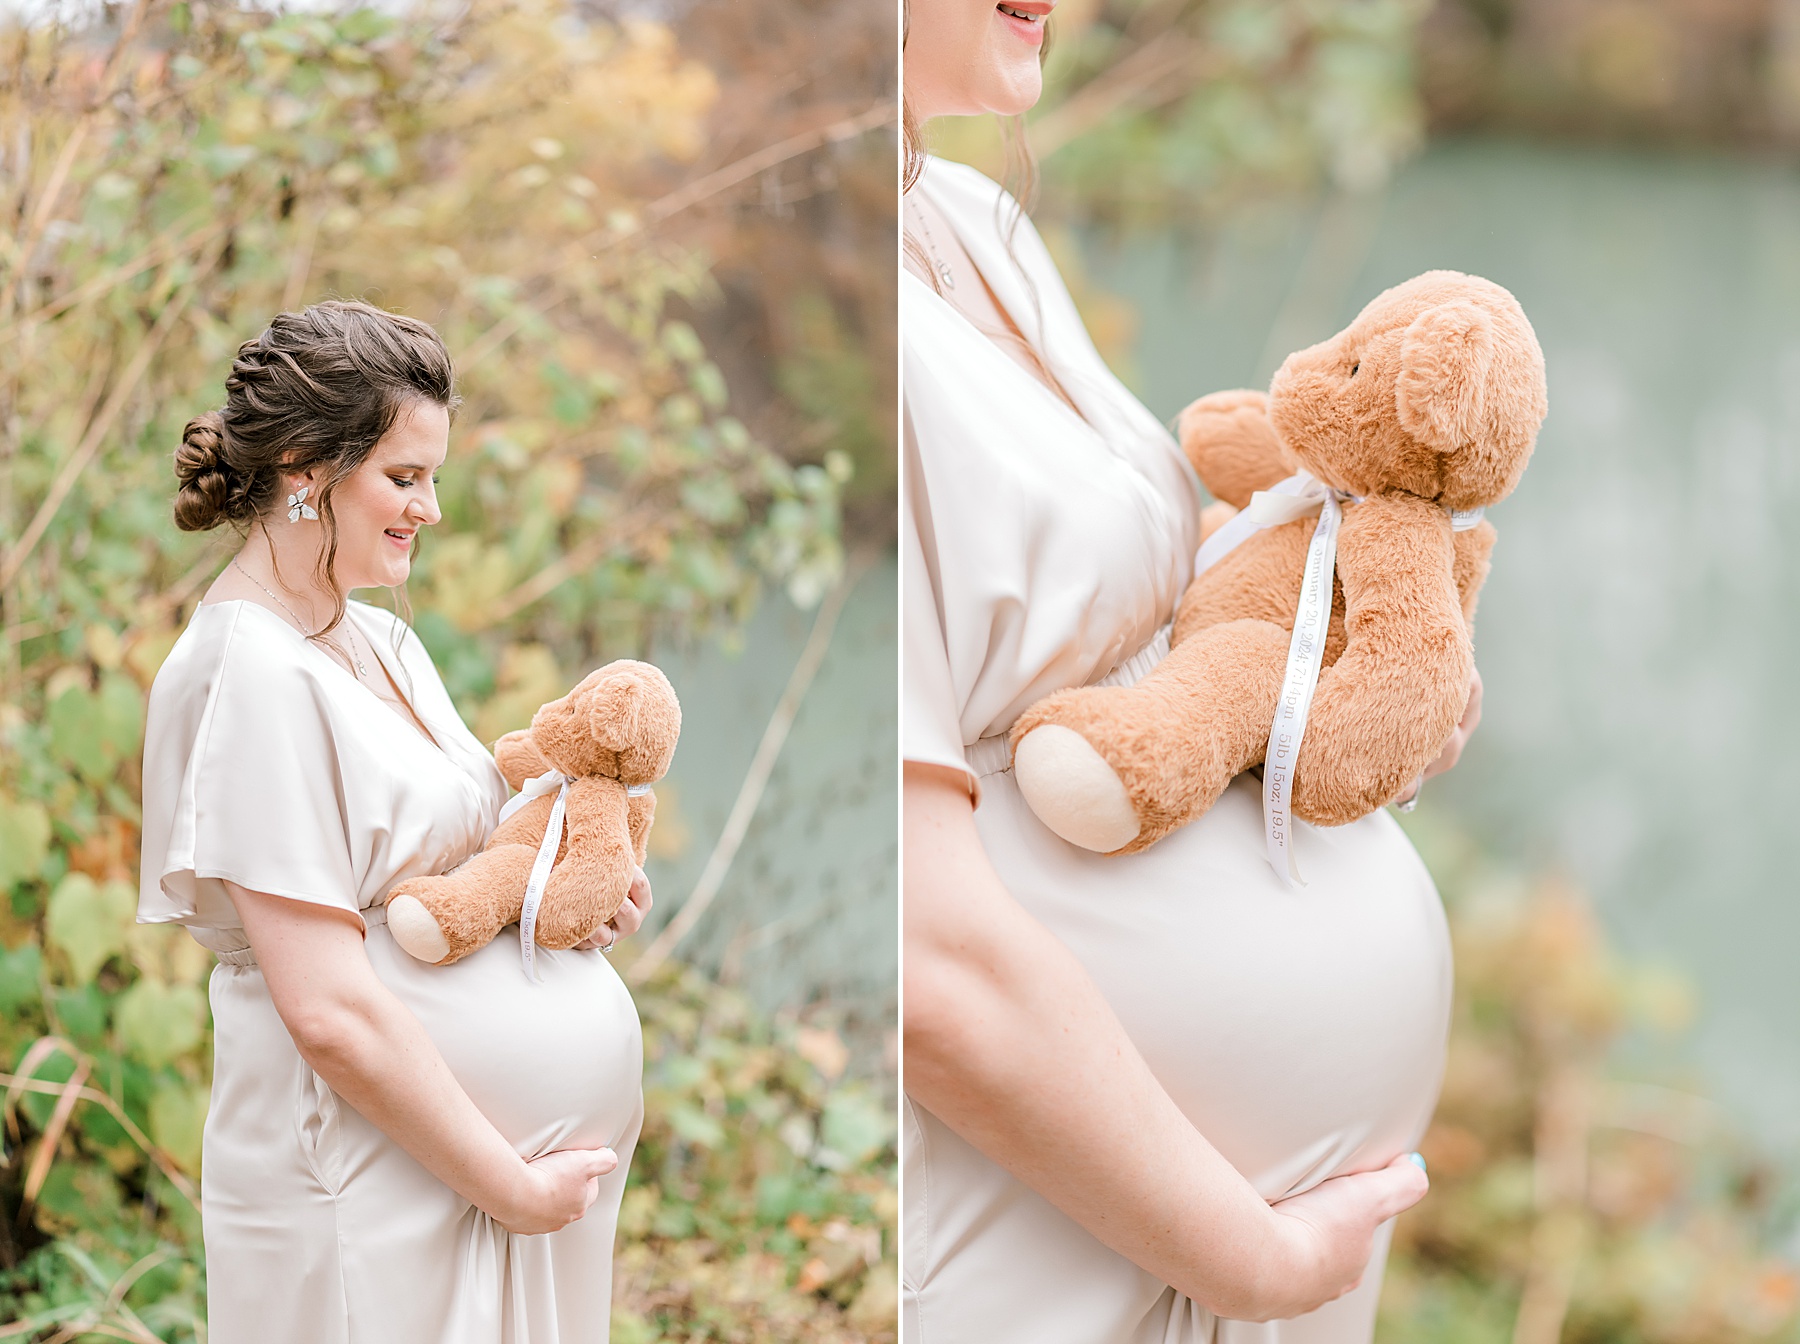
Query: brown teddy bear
1425, 407
610, 738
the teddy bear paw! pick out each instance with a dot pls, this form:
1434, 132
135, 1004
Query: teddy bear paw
1073, 790
415, 930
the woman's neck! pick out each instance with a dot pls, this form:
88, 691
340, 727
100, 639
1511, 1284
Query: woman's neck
287, 569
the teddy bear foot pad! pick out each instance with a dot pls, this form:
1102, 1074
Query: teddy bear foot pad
1073, 790
415, 930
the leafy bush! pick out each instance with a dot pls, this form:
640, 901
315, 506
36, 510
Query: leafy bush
1571, 1200
171, 175
1155, 111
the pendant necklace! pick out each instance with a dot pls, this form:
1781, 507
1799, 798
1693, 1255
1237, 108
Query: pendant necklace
356, 656
938, 263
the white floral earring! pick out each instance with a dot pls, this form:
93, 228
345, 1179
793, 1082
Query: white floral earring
298, 508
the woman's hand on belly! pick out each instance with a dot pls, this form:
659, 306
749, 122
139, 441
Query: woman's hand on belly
557, 1189
1326, 1235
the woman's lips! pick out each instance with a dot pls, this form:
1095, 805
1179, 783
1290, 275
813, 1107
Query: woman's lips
399, 538
1026, 19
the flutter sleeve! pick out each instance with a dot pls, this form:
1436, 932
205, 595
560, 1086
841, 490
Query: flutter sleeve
930, 721
245, 780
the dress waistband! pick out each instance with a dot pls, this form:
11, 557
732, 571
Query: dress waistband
993, 755
244, 956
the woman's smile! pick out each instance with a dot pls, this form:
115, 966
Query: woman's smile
1026, 18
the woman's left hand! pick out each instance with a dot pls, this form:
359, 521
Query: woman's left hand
1471, 719
1453, 749
629, 919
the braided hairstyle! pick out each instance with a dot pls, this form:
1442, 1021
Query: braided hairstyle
314, 392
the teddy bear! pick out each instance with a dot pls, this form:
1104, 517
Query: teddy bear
1420, 413
611, 738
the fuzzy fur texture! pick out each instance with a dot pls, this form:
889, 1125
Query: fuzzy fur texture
615, 730
1429, 401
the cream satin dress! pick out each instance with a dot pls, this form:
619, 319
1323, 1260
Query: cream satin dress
1301, 1030
268, 764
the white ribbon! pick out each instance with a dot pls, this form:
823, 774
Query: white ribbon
540, 874
1297, 497
548, 782
537, 787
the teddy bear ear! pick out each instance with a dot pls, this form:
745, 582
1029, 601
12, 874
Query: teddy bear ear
613, 711
1444, 359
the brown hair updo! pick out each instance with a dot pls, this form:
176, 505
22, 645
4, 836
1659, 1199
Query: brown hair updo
315, 392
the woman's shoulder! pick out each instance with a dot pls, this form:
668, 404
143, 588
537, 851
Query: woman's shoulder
240, 641
236, 666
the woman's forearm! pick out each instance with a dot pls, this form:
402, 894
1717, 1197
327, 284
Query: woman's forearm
1010, 1043
377, 1057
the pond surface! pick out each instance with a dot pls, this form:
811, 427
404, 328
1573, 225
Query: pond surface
1638, 637
809, 907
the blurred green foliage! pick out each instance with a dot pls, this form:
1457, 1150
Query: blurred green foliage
170, 175
1650, 70
1158, 111
763, 1199
1574, 1200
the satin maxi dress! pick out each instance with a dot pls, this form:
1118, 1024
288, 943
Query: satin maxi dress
268, 764
1301, 1030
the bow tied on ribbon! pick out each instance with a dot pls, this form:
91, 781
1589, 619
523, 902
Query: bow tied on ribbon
551, 781
1299, 496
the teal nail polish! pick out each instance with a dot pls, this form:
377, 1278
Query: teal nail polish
1417, 1159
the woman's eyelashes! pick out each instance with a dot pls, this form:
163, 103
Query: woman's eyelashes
404, 481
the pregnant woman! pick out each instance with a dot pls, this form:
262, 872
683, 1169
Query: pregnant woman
1154, 1098
397, 1153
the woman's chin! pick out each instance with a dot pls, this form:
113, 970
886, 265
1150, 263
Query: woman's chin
1018, 91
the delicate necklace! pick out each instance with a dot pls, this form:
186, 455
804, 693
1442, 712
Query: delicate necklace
361, 671
937, 261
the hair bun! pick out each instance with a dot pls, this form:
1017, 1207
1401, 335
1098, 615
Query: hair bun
205, 498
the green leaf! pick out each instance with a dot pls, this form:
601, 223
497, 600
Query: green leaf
78, 735
120, 707
853, 1129
178, 1119
680, 340
157, 1023
696, 1126
87, 921
19, 971
24, 840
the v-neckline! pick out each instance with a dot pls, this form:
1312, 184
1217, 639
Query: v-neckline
1068, 407
416, 729
418, 722
1044, 388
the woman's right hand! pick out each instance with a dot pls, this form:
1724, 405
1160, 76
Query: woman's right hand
1324, 1237
558, 1189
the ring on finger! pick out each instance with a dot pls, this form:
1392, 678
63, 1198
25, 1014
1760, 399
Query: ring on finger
608, 946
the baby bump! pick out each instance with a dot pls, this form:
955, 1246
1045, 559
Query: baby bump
556, 1064
1302, 1029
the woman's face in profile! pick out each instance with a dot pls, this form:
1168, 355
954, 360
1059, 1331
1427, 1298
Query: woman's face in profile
381, 506
966, 57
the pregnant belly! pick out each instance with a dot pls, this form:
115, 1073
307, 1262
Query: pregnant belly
1301, 1029
558, 1064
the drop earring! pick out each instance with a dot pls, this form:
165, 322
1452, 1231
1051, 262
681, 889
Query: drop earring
298, 508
